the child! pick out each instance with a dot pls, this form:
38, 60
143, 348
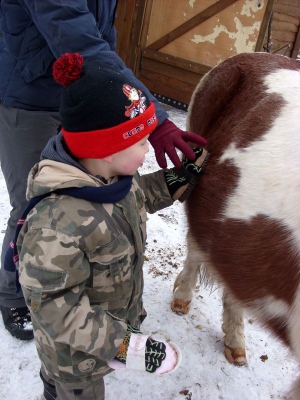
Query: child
81, 246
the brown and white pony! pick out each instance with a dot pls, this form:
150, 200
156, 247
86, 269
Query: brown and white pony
244, 214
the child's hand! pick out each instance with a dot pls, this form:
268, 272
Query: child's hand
195, 167
180, 181
141, 352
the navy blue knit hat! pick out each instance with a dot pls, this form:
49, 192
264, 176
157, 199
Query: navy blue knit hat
101, 111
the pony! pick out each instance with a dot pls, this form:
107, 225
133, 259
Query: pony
244, 213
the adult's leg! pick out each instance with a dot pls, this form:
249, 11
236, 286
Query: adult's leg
23, 135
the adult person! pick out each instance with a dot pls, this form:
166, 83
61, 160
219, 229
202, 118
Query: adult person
35, 34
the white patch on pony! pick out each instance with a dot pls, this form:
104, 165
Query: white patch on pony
269, 307
269, 168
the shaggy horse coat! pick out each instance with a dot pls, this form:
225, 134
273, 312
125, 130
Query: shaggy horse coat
244, 214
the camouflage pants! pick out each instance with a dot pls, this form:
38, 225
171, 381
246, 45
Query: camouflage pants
85, 391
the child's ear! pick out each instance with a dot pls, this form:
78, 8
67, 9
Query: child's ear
108, 159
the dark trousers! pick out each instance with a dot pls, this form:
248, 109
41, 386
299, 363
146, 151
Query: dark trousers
93, 390
23, 135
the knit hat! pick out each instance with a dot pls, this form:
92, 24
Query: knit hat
102, 112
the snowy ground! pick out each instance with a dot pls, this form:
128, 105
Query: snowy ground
204, 373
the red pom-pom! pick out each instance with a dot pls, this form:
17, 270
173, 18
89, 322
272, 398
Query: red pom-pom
68, 68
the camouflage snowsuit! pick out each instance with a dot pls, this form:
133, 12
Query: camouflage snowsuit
81, 268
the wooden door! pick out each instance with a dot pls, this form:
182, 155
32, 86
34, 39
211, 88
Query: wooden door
171, 44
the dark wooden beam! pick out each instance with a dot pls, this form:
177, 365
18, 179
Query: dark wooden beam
296, 47
165, 86
191, 23
129, 22
264, 26
168, 70
176, 61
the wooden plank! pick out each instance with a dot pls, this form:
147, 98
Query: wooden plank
169, 81
285, 27
135, 33
183, 63
123, 9
264, 26
169, 70
290, 7
191, 23
296, 48
146, 22
143, 33
285, 22
154, 84
128, 26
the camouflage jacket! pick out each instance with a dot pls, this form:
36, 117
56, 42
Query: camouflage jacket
80, 268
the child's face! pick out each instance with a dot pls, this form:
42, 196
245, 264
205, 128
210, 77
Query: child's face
126, 162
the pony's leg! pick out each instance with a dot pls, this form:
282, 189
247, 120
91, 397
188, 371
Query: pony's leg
233, 327
186, 282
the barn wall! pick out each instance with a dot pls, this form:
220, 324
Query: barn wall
171, 44
231, 31
285, 28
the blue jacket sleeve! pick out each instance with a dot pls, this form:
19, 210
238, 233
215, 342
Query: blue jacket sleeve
69, 26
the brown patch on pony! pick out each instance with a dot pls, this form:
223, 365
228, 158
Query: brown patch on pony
278, 325
206, 202
231, 98
255, 258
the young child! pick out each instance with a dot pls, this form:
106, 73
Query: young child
81, 246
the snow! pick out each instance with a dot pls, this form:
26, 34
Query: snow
204, 373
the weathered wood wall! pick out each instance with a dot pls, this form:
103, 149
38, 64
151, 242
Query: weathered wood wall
285, 28
224, 32
171, 44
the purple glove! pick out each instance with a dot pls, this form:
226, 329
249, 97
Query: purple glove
167, 137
